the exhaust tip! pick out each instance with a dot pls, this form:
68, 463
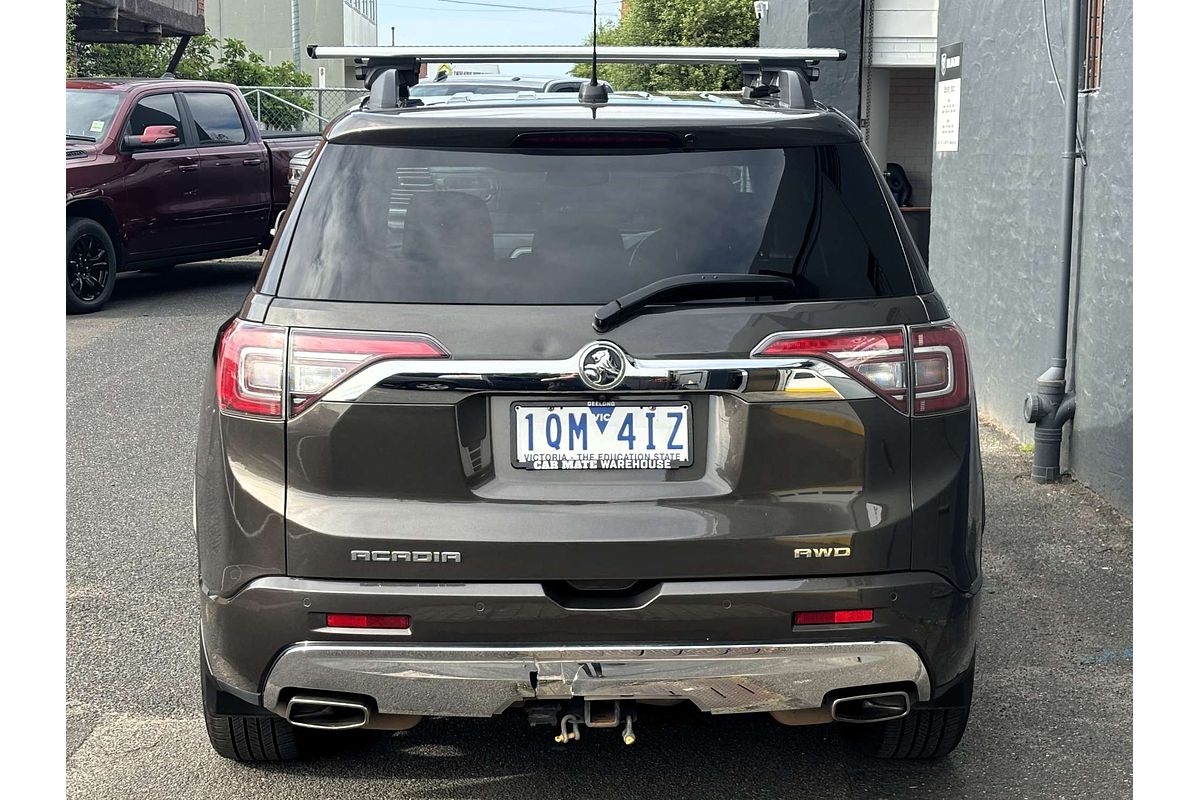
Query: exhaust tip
879, 707
326, 714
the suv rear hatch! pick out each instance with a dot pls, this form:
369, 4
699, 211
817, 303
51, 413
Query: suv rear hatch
452, 414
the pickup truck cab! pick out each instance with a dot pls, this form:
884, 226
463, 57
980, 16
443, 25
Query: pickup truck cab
164, 172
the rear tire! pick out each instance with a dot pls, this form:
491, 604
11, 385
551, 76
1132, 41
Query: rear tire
259, 736
929, 732
246, 738
91, 265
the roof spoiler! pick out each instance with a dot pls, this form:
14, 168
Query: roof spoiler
777, 75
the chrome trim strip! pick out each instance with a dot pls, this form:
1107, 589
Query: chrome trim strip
481, 682
763, 377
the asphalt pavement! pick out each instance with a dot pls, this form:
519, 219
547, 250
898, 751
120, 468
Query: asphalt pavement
1053, 698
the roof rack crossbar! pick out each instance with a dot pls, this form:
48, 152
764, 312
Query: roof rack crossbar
571, 54
776, 75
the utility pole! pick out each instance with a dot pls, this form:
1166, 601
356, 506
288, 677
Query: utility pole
393, 36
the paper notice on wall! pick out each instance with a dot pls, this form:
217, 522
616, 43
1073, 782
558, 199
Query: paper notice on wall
949, 83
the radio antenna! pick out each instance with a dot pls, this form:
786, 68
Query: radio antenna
593, 93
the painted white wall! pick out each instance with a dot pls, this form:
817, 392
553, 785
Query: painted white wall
904, 33
879, 114
357, 29
906, 18
266, 28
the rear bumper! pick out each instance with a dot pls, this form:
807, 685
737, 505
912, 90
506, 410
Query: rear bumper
472, 647
465, 682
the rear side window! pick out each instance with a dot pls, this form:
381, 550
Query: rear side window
157, 109
404, 225
216, 118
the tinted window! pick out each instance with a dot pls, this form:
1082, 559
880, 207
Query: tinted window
450, 226
216, 118
90, 112
157, 109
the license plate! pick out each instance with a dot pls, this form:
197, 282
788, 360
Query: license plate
598, 436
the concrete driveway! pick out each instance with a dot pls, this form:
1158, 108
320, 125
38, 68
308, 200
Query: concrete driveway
1053, 707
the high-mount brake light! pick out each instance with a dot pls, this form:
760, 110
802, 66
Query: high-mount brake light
250, 369
321, 359
943, 381
604, 139
833, 617
877, 358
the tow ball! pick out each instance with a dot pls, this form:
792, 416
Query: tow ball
596, 714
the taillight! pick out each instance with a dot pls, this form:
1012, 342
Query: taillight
942, 381
250, 369
875, 357
320, 359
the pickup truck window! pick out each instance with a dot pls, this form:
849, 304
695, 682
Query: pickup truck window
216, 118
155, 109
394, 224
90, 112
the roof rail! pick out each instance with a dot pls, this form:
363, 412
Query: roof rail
775, 75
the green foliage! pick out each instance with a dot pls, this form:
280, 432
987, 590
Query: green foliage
681, 23
207, 60
145, 60
72, 10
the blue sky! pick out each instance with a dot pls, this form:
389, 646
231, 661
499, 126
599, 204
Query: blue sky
432, 22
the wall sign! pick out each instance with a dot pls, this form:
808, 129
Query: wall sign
949, 83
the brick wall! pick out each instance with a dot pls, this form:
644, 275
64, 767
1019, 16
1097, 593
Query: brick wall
910, 128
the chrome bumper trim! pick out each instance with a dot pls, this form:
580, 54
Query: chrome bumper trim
471, 682
758, 377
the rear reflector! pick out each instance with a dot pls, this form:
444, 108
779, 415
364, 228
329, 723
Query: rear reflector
833, 617
321, 359
876, 358
390, 621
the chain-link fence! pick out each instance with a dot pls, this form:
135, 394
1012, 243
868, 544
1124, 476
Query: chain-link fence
300, 109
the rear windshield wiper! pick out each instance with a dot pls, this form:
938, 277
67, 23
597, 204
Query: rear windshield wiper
73, 137
684, 288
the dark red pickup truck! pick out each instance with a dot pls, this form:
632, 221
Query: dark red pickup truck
163, 172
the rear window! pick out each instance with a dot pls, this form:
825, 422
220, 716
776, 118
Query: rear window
389, 224
216, 118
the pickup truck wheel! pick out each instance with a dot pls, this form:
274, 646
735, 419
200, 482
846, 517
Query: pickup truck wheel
91, 265
930, 731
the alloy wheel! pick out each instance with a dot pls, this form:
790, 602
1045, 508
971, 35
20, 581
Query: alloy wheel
88, 267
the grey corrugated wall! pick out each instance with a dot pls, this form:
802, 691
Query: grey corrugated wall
821, 23
993, 234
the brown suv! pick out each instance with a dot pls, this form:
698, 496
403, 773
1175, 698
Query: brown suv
631, 401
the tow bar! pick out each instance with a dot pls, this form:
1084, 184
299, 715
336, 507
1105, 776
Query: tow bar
596, 714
